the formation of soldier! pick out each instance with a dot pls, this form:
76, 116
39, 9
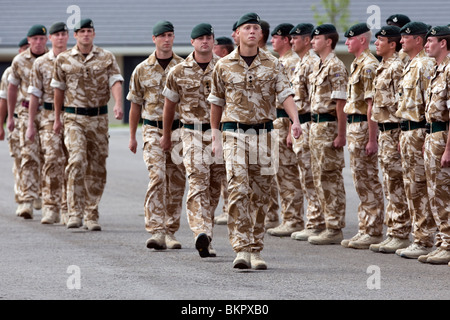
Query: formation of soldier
244, 124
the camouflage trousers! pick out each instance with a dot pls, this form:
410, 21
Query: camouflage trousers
54, 160
224, 193
424, 227
288, 182
87, 140
167, 182
365, 179
14, 152
249, 168
314, 214
438, 184
205, 175
327, 164
397, 218
30, 165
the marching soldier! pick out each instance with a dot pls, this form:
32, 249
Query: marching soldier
437, 142
188, 86
163, 200
362, 134
414, 83
387, 78
84, 78
301, 44
248, 82
52, 145
30, 150
287, 180
328, 133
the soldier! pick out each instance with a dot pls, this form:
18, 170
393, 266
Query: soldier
287, 180
188, 86
411, 109
437, 142
30, 150
247, 82
13, 137
224, 46
362, 134
387, 78
399, 20
52, 145
301, 44
84, 78
164, 196
328, 133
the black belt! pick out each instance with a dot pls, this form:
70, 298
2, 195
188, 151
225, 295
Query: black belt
305, 117
15, 115
91, 112
388, 126
434, 127
323, 117
412, 125
355, 117
281, 113
200, 126
258, 126
50, 106
159, 124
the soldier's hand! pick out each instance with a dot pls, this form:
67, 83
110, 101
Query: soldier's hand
57, 126
289, 141
165, 143
339, 142
445, 160
118, 112
296, 130
31, 132
132, 145
371, 148
10, 124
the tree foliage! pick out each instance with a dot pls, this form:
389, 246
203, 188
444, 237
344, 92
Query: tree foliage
336, 12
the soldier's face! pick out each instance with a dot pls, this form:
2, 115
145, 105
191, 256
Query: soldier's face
249, 34
85, 36
353, 44
408, 43
164, 42
203, 44
433, 46
278, 42
37, 44
298, 43
319, 43
59, 39
382, 46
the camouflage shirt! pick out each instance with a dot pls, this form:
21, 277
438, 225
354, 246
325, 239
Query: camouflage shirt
248, 93
189, 86
438, 93
41, 77
4, 83
360, 83
388, 75
20, 72
413, 85
86, 80
328, 83
146, 86
289, 61
300, 81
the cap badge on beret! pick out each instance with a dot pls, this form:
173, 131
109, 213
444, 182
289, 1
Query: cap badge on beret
383, 32
351, 33
279, 32
408, 30
433, 31
298, 31
317, 31
395, 19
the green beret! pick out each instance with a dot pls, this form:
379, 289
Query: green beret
398, 19
57, 27
323, 29
414, 28
224, 41
234, 26
388, 31
357, 30
23, 42
248, 18
202, 29
265, 26
282, 29
37, 30
84, 23
162, 26
301, 29
439, 31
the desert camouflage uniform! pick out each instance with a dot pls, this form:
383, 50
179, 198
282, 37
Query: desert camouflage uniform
328, 82
288, 183
86, 82
415, 79
364, 168
301, 85
52, 145
30, 150
164, 196
397, 217
438, 178
248, 95
189, 85
13, 137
